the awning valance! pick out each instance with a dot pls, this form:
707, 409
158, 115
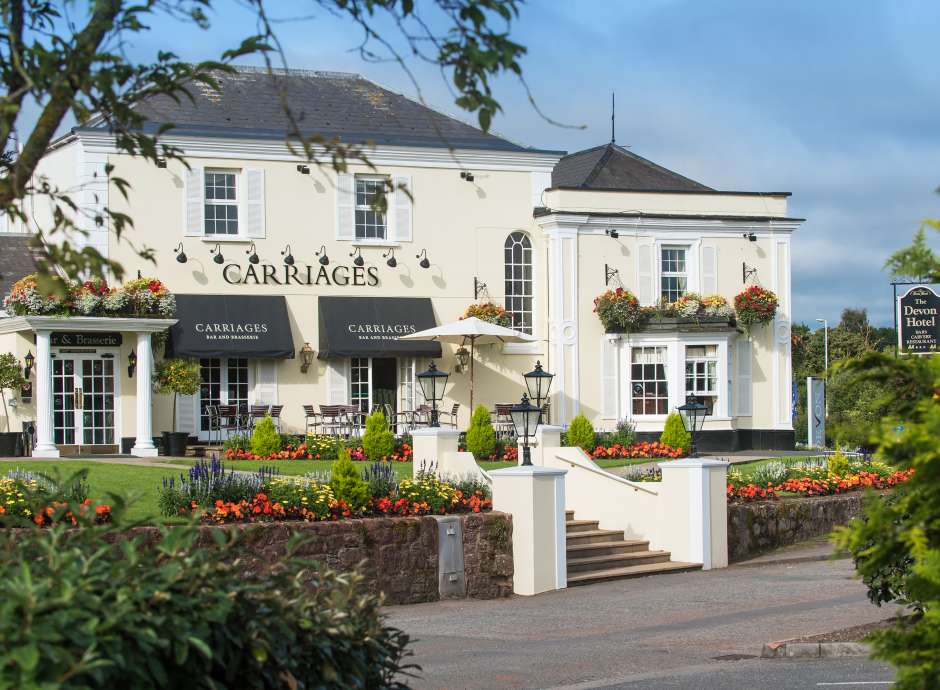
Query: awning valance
371, 327
231, 326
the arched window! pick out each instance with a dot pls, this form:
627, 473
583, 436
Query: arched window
518, 260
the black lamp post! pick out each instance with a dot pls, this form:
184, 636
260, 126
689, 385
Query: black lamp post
433, 383
693, 417
30, 361
538, 382
525, 419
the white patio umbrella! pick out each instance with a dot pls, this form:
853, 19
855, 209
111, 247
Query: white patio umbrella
476, 331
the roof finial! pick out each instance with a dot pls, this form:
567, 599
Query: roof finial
613, 113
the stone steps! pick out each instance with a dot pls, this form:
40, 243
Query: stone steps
598, 555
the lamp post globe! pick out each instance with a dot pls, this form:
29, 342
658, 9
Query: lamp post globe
693, 418
525, 419
538, 382
433, 381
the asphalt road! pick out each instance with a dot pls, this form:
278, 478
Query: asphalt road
656, 632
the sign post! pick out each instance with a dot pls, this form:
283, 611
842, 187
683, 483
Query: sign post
816, 412
918, 319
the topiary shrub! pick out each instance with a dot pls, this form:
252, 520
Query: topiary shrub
581, 434
674, 433
265, 440
346, 482
481, 438
183, 612
378, 441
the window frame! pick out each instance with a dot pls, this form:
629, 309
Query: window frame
678, 275
367, 208
705, 360
237, 174
656, 397
511, 283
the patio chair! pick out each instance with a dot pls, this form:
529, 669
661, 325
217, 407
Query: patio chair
404, 421
215, 422
276, 416
355, 419
333, 420
312, 420
229, 420
257, 413
503, 425
449, 418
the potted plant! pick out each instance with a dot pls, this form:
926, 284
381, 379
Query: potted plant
179, 377
619, 311
755, 306
487, 311
11, 378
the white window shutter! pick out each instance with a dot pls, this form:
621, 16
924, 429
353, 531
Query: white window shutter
194, 223
644, 274
743, 378
337, 381
266, 382
345, 206
400, 210
254, 203
610, 379
187, 409
709, 270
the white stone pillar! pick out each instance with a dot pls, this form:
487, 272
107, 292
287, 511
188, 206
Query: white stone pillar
430, 445
694, 491
143, 446
45, 438
535, 497
546, 438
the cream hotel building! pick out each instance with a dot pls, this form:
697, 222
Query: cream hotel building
280, 252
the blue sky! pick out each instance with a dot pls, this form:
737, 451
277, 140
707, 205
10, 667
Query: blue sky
836, 102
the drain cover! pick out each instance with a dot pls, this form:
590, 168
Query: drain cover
734, 657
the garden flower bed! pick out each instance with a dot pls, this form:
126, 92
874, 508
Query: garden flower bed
314, 447
642, 449
27, 497
215, 494
810, 486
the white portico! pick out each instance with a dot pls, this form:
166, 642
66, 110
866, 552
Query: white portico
99, 367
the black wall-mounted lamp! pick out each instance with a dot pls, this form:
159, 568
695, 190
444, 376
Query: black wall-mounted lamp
303, 169
288, 257
218, 258
324, 259
180, 254
131, 364
747, 272
306, 358
424, 263
610, 232
30, 361
479, 288
252, 254
358, 261
750, 236
161, 162
466, 175
390, 255
609, 273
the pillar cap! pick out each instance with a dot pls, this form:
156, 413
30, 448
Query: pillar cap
686, 463
436, 431
528, 471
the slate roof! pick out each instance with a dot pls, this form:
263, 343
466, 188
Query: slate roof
247, 104
613, 167
16, 261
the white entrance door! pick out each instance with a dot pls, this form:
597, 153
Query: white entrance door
83, 393
225, 381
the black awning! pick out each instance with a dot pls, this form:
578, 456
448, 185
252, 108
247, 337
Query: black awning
231, 326
371, 326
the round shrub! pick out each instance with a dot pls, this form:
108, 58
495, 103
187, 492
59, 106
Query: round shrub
481, 438
581, 434
378, 441
265, 440
106, 610
674, 433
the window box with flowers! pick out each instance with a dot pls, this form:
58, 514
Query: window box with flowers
487, 311
620, 312
143, 297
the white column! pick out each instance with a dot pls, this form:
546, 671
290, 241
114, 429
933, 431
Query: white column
143, 447
695, 503
563, 322
430, 446
535, 497
45, 440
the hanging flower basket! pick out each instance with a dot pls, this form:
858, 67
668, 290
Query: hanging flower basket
619, 311
146, 297
755, 306
487, 311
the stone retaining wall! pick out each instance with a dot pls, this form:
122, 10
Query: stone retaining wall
398, 556
765, 525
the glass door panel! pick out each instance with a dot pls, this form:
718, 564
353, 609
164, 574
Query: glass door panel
97, 385
63, 401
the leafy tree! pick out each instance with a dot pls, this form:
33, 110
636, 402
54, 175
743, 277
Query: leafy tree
896, 546
481, 438
11, 379
674, 433
71, 61
581, 434
378, 441
177, 376
917, 262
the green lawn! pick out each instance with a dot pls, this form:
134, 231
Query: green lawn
138, 484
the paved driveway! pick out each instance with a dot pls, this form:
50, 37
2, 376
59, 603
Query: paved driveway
662, 631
